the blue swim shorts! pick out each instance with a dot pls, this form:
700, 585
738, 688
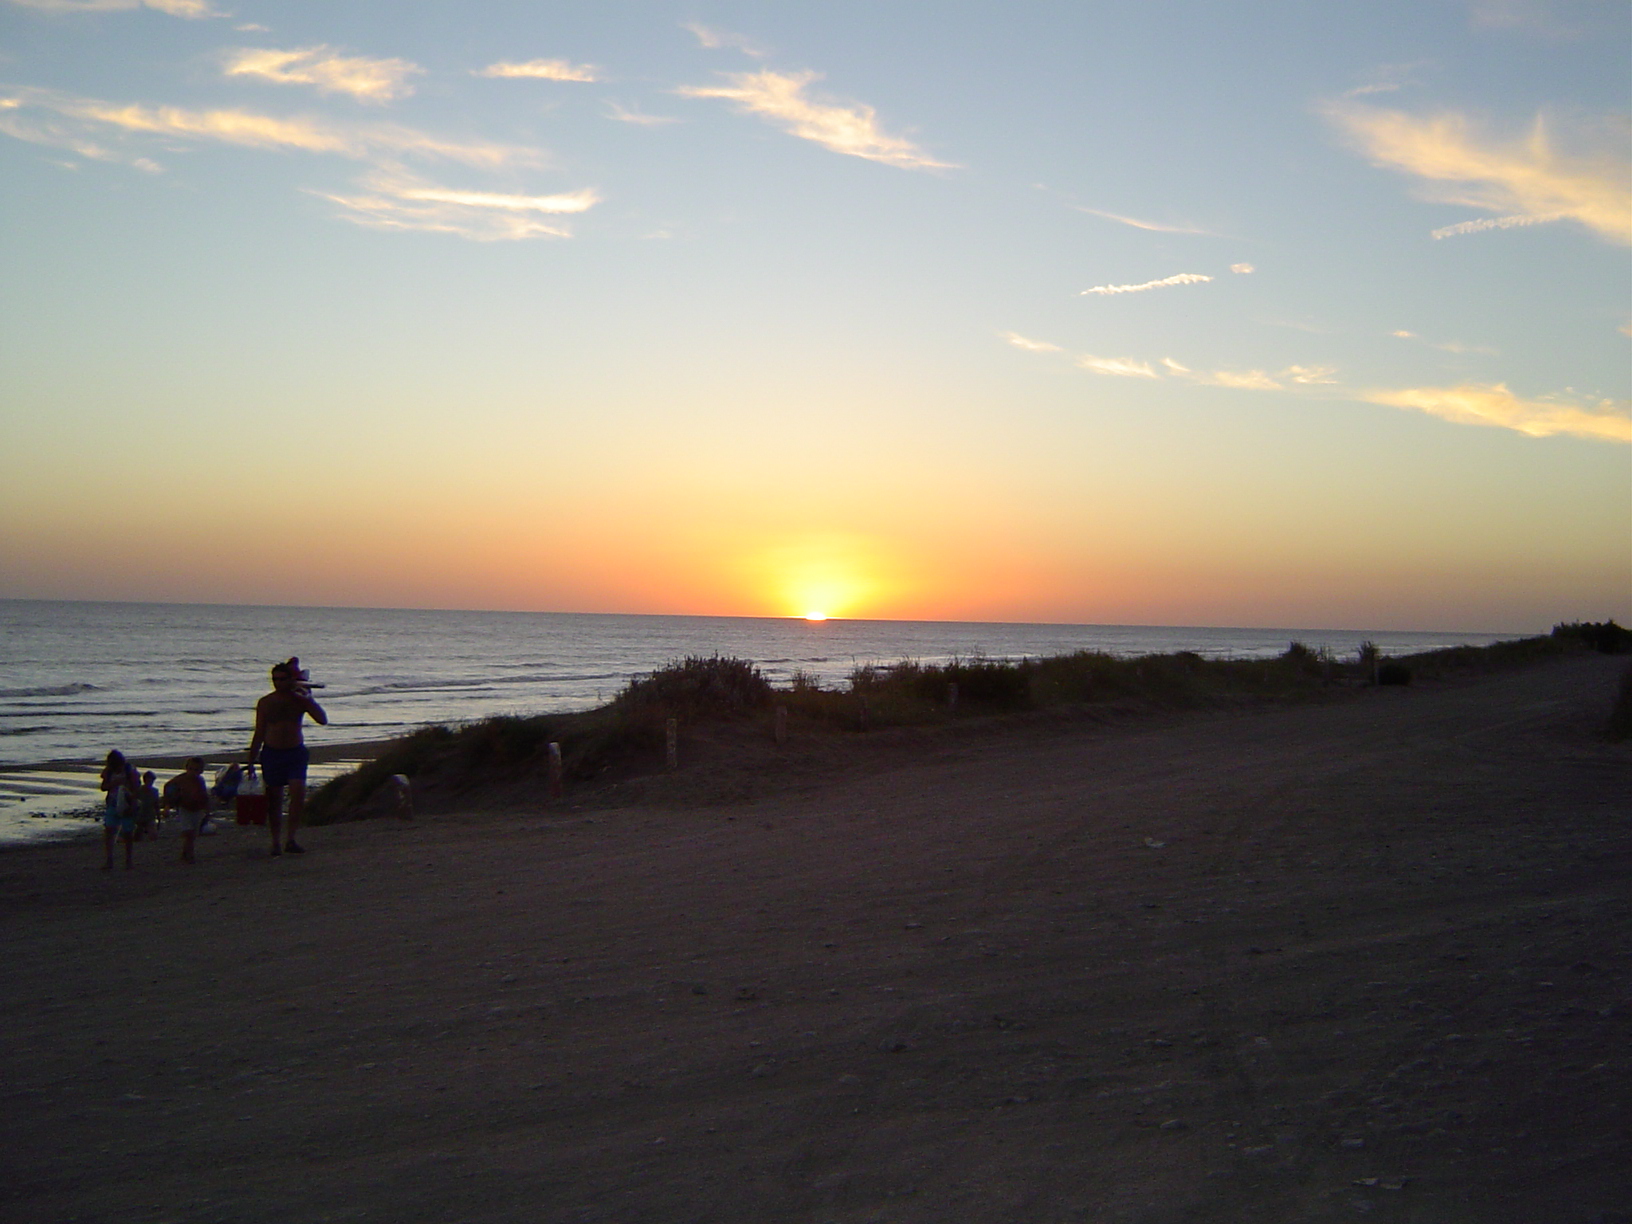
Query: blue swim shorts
281, 766
121, 822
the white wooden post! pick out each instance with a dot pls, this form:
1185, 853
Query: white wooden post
405, 795
555, 771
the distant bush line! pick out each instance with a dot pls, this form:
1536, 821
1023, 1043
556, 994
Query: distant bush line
701, 689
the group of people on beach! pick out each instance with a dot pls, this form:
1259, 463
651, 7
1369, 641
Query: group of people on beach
133, 805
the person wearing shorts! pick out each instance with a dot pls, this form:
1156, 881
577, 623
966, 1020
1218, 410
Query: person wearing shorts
120, 782
281, 748
191, 804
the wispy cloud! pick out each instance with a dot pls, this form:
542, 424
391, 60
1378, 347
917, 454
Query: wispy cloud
176, 8
844, 128
1244, 380
69, 120
1491, 223
713, 40
543, 70
1243, 269
1183, 278
1524, 178
1388, 79
54, 132
1144, 225
1531, 16
327, 71
1120, 367
1446, 346
396, 201
624, 115
1031, 346
1303, 325
1495, 405
1132, 367
1254, 380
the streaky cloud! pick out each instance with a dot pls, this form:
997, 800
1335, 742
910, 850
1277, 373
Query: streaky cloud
327, 71
1243, 380
1524, 178
542, 70
1119, 367
1494, 405
569, 202
77, 118
712, 39
1254, 380
1242, 269
1446, 346
1389, 79
1183, 278
1031, 346
623, 114
396, 201
850, 129
1157, 226
1491, 223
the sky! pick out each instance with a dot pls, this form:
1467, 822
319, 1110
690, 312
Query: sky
1272, 314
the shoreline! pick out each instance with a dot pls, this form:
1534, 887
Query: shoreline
322, 754
60, 802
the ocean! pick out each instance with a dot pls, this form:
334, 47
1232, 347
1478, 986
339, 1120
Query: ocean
164, 680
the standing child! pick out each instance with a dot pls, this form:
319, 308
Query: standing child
191, 796
147, 808
120, 782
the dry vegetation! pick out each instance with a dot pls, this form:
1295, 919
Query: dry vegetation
628, 734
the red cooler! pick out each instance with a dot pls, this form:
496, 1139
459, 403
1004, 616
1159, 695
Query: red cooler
251, 799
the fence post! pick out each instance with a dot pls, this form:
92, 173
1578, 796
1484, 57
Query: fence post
952, 695
781, 724
673, 736
555, 771
404, 790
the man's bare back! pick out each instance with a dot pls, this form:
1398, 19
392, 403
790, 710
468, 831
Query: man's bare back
278, 719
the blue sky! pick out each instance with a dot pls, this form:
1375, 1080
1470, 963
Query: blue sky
1161, 313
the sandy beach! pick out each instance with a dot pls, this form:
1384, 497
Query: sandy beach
1368, 958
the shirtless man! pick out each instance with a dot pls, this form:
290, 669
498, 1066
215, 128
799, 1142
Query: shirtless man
278, 718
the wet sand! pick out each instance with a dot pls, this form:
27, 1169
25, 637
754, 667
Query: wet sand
1365, 959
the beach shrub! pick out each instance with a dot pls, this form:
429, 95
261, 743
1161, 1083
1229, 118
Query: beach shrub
629, 732
1303, 661
1606, 637
410, 755
716, 685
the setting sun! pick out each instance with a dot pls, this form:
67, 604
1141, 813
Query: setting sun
815, 616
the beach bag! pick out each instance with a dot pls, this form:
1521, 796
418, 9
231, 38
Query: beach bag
251, 799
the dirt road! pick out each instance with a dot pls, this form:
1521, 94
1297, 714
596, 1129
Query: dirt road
1366, 959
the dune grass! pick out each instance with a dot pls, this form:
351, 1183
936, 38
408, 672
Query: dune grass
719, 689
